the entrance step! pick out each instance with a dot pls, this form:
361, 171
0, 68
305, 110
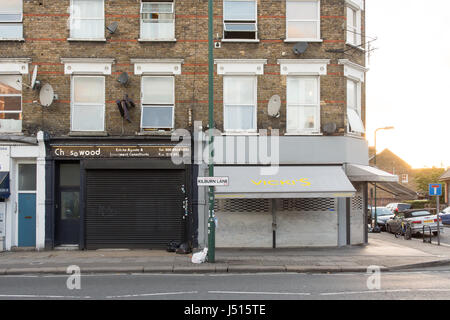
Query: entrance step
18, 249
67, 247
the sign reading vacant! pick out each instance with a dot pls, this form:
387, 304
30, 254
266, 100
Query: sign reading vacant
160, 151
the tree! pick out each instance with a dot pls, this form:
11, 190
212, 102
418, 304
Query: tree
426, 176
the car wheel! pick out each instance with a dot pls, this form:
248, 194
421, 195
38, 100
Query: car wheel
435, 233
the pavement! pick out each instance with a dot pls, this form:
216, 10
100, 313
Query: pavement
383, 250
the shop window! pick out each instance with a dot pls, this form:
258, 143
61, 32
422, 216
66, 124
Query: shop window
303, 108
302, 20
157, 20
240, 103
10, 103
11, 15
88, 103
355, 123
239, 19
87, 20
158, 102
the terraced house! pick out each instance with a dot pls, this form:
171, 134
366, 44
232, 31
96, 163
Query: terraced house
92, 92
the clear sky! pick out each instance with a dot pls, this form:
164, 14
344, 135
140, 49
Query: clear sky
408, 84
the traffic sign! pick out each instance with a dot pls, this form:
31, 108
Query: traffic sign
435, 189
212, 181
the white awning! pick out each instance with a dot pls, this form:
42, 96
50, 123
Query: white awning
356, 172
286, 182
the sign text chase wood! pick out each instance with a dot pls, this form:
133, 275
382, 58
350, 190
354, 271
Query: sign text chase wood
158, 151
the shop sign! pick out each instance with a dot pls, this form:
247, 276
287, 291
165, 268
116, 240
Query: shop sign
159, 151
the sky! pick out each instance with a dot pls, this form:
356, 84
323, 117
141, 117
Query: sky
408, 84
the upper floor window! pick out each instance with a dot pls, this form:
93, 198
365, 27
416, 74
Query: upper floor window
157, 20
354, 106
303, 107
87, 20
11, 15
10, 103
354, 23
88, 103
158, 102
240, 103
302, 20
404, 178
239, 19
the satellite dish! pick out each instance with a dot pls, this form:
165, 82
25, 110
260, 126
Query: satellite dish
46, 95
274, 106
300, 47
123, 78
329, 128
35, 84
112, 28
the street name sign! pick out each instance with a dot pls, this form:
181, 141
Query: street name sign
435, 189
212, 181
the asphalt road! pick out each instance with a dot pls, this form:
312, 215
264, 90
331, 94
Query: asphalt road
421, 284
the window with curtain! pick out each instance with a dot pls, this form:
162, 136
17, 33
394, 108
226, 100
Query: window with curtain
11, 97
88, 103
87, 19
239, 19
157, 20
302, 20
354, 107
353, 26
240, 103
158, 102
303, 107
11, 15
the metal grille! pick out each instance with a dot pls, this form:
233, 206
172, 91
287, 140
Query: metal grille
307, 204
357, 203
134, 208
242, 205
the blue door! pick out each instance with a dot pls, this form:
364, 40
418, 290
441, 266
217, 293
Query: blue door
27, 219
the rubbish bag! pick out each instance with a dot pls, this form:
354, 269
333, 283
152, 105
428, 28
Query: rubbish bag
200, 256
173, 246
184, 248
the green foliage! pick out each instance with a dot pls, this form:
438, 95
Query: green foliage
427, 176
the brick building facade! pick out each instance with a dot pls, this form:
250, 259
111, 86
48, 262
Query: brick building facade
254, 39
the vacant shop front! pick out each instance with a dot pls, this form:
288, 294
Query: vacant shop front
135, 198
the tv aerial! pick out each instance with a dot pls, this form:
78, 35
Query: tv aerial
273, 108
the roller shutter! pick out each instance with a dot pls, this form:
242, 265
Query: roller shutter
134, 208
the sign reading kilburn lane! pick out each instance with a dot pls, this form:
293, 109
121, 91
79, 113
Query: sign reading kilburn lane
158, 151
212, 181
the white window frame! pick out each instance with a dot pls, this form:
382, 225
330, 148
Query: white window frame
358, 107
18, 22
157, 105
404, 178
354, 32
13, 95
318, 39
72, 102
255, 105
142, 23
71, 38
249, 23
299, 131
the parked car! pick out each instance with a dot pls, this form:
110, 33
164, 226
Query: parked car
417, 219
383, 215
445, 215
398, 207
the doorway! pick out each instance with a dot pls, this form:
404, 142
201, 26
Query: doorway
67, 219
26, 195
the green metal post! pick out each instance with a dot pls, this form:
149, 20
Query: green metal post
211, 220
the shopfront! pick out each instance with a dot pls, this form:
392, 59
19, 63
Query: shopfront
111, 194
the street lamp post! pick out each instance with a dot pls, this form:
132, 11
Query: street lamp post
375, 227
